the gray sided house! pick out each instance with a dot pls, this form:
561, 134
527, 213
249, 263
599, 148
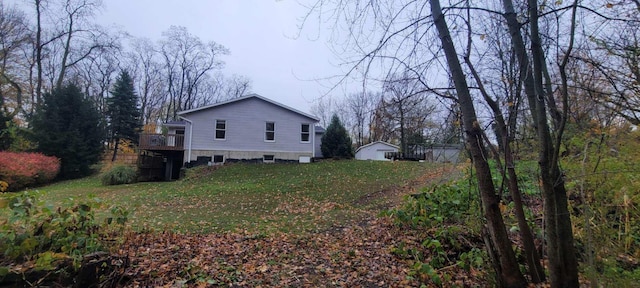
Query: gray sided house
250, 128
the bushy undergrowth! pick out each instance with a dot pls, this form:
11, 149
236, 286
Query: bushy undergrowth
119, 174
35, 237
450, 214
449, 203
604, 184
21, 170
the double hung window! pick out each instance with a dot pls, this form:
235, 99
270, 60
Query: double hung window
270, 131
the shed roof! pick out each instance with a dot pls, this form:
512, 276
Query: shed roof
376, 142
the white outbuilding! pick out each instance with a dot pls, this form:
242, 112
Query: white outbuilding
375, 151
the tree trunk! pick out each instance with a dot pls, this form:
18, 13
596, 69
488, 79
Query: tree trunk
508, 270
526, 75
403, 139
563, 266
65, 54
38, 52
536, 272
115, 149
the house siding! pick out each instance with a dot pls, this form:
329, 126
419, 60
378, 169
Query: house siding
318, 145
446, 154
245, 131
374, 151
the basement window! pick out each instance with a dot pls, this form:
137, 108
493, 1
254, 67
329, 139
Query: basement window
268, 158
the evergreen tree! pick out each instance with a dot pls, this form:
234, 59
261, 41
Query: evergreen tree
336, 143
123, 111
67, 125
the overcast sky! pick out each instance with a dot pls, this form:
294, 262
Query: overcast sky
261, 35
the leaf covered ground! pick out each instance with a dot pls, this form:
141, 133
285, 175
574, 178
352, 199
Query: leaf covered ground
356, 256
348, 254
273, 226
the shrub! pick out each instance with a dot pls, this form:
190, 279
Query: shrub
20, 170
119, 174
52, 240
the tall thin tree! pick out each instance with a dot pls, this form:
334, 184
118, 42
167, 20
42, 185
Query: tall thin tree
123, 111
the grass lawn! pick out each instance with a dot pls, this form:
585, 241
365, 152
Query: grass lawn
254, 198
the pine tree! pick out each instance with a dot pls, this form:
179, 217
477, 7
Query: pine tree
67, 125
123, 111
336, 143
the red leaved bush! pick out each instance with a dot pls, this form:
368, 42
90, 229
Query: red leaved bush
22, 170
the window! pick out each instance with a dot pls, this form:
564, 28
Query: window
218, 159
268, 158
304, 133
270, 131
221, 129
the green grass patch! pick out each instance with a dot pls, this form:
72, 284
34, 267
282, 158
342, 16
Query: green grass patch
251, 197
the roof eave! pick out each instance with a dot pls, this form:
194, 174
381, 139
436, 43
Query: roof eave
181, 113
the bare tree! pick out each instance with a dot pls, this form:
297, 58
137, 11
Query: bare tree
360, 107
96, 74
236, 86
38, 51
15, 38
615, 67
146, 69
402, 39
323, 109
65, 36
186, 62
503, 255
405, 97
382, 127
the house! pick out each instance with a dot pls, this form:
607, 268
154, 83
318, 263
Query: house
251, 128
375, 151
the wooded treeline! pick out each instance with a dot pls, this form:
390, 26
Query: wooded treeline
525, 78
399, 114
45, 44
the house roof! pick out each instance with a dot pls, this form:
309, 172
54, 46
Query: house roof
175, 124
373, 143
319, 129
250, 96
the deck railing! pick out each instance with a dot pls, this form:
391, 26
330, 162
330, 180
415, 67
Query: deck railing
161, 141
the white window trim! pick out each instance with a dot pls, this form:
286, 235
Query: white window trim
265, 131
269, 161
215, 130
213, 159
308, 133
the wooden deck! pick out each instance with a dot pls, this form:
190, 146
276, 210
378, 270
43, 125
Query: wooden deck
161, 142
415, 153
